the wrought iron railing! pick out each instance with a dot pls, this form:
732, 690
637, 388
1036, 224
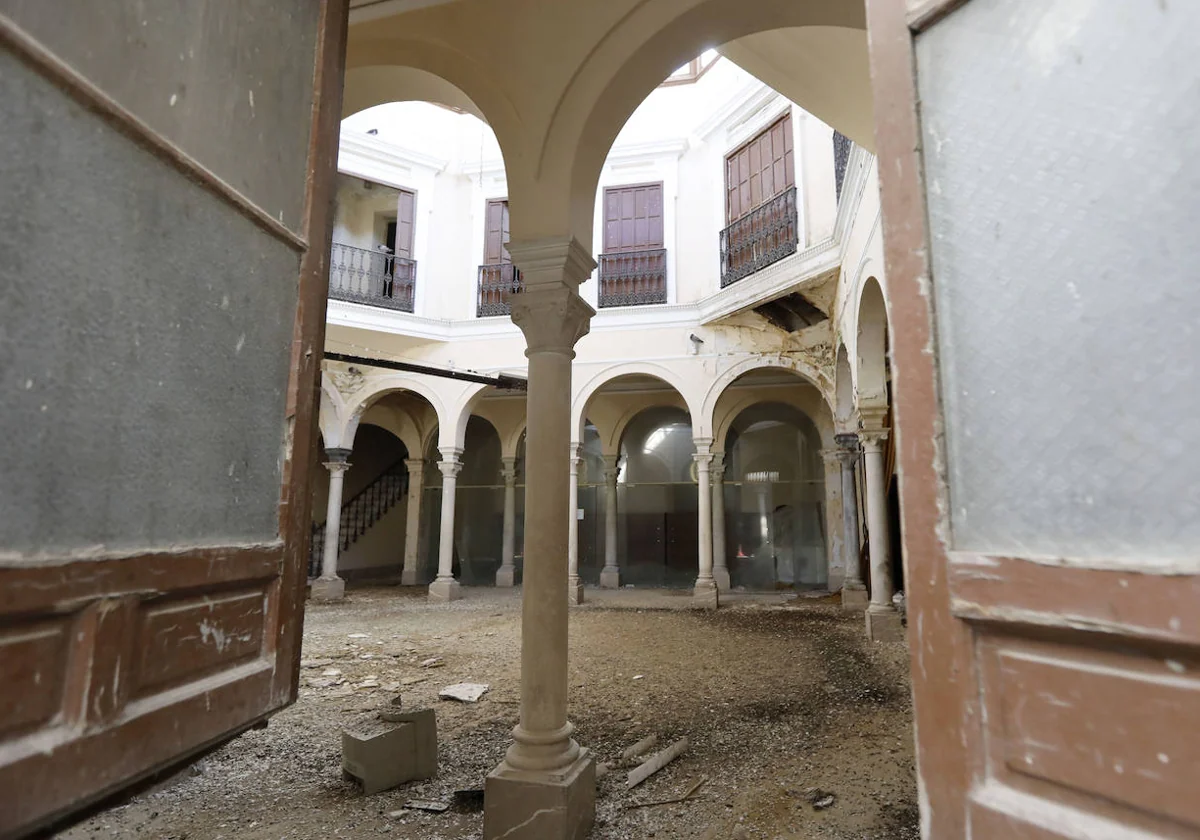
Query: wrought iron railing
360, 513
496, 283
765, 235
372, 277
633, 278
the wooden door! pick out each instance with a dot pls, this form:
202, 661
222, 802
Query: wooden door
160, 378
405, 209
495, 242
1047, 446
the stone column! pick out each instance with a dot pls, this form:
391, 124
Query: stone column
574, 584
705, 592
854, 591
610, 575
411, 575
720, 559
545, 789
445, 587
330, 587
506, 575
883, 621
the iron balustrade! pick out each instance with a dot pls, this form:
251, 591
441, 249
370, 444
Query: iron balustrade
360, 513
375, 278
765, 235
633, 278
496, 283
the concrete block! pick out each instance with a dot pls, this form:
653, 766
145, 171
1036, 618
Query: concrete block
399, 750
854, 599
520, 805
444, 591
706, 597
884, 626
506, 576
610, 578
328, 589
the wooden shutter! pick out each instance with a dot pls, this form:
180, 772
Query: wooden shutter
495, 243
154, 513
633, 218
405, 208
760, 169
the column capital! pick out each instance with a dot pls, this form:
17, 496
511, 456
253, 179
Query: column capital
574, 458
611, 461
552, 261
508, 469
612, 468
703, 451
718, 466
451, 463
872, 439
337, 459
415, 465
552, 317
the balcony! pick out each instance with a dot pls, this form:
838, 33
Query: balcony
633, 278
496, 283
767, 234
371, 277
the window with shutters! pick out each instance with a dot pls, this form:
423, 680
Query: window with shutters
760, 203
498, 277
633, 266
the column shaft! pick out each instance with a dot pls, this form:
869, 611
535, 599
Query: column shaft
720, 560
506, 575
854, 591
883, 621
574, 585
444, 586
705, 592
610, 575
330, 587
412, 529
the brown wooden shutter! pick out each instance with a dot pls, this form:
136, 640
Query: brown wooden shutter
633, 218
495, 250
405, 210
760, 169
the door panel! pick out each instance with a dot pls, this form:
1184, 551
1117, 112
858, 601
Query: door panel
162, 372
1046, 455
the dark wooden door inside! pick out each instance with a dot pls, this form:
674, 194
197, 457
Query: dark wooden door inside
152, 554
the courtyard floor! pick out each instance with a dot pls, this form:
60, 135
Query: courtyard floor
778, 695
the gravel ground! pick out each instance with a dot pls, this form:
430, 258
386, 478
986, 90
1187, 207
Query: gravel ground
779, 698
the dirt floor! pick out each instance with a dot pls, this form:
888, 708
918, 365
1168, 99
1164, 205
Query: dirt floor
778, 695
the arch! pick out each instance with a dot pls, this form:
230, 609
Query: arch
453, 434
399, 423
797, 366
379, 387
871, 346
843, 384
631, 60
589, 388
332, 414
392, 67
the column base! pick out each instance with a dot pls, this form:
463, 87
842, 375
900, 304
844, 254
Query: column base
506, 576
523, 805
705, 595
721, 576
444, 591
854, 597
610, 578
575, 592
410, 577
328, 589
883, 625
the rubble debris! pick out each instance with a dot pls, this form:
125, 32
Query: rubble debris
331, 672
464, 692
412, 680
640, 748
433, 662
315, 663
656, 762
357, 636
427, 805
674, 799
820, 799
469, 799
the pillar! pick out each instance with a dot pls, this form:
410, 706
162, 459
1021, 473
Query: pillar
610, 575
411, 575
506, 575
705, 592
854, 591
445, 587
545, 788
574, 584
720, 558
883, 621
330, 587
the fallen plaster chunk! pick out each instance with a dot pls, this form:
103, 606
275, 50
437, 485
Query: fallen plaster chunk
656, 762
465, 692
427, 805
433, 662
